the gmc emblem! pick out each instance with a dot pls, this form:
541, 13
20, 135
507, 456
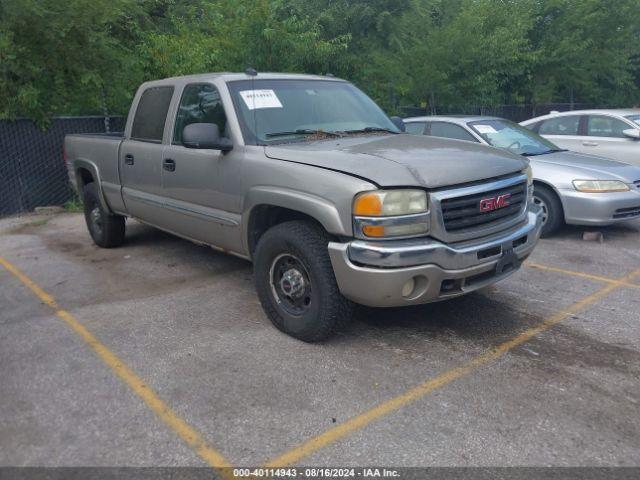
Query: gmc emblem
494, 203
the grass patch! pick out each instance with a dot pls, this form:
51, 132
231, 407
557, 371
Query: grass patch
73, 205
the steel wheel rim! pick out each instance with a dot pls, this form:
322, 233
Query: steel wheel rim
96, 219
545, 210
290, 284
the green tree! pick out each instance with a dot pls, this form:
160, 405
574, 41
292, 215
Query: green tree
62, 57
585, 51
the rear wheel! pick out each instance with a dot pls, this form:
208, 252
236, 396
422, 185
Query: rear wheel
552, 213
295, 281
106, 229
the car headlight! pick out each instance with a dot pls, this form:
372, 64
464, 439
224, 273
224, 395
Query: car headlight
391, 213
600, 186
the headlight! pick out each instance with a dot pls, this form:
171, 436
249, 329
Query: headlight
384, 203
600, 186
391, 213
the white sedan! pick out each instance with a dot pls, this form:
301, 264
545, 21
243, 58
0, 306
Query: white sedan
612, 134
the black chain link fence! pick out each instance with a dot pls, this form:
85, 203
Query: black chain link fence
33, 172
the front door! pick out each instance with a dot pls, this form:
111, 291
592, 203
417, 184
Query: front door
604, 137
201, 186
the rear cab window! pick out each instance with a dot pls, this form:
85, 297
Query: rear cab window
151, 114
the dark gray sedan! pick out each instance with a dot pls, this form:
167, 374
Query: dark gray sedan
572, 188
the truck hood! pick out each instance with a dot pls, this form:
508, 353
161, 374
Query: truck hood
600, 168
402, 159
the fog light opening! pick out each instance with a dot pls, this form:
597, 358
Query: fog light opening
414, 287
408, 287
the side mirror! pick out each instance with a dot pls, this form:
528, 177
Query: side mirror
632, 133
398, 122
205, 135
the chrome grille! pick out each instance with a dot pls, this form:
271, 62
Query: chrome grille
463, 213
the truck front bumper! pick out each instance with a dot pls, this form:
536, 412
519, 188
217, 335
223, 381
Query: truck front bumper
410, 272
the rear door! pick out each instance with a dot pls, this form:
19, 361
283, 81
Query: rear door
202, 187
141, 156
604, 137
564, 131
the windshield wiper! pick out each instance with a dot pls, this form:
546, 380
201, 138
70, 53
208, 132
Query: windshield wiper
552, 150
371, 129
303, 131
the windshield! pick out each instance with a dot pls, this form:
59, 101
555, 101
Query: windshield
634, 118
512, 137
273, 111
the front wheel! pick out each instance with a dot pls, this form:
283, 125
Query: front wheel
552, 213
295, 281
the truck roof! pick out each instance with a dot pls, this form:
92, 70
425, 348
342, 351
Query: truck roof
231, 76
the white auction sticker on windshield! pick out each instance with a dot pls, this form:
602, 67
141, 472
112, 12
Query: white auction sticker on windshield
255, 99
485, 128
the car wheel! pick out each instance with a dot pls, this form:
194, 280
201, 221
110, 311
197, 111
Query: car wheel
552, 213
106, 229
295, 281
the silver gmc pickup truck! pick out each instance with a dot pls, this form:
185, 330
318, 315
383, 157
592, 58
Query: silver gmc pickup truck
309, 179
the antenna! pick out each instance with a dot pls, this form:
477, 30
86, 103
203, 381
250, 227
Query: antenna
252, 72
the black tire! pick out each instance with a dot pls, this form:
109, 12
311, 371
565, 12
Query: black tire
318, 307
553, 214
106, 229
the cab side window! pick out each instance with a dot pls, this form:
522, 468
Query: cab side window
449, 130
415, 128
200, 103
151, 114
560, 126
601, 126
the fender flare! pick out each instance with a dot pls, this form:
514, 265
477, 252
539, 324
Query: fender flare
95, 173
318, 208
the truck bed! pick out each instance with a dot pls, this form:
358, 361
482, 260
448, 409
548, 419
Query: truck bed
100, 150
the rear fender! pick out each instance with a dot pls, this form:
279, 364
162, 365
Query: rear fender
92, 168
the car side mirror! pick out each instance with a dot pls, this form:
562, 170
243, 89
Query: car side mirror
632, 133
398, 122
206, 136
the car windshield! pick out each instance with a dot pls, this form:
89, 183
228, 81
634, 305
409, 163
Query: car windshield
513, 137
634, 118
273, 111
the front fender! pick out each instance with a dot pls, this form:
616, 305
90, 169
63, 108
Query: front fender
321, 209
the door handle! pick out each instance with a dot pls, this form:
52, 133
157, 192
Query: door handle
169, 165
128, 159
590, 144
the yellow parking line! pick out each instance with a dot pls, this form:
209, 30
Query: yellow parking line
187, 433
588, 276
355, 423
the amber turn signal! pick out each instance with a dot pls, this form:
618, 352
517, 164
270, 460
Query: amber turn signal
368, 204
